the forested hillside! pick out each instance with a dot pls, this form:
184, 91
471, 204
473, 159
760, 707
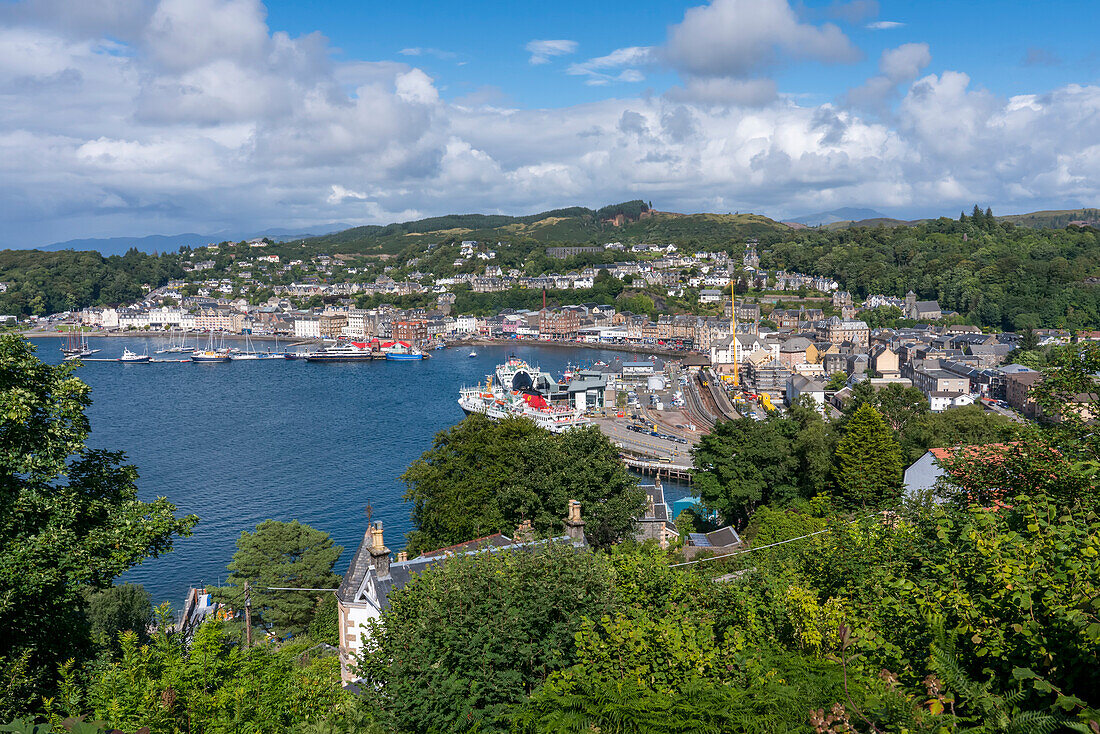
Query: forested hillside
630, 222
48, 282
993, 273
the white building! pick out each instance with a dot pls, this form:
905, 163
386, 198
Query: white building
308, 327
465, 324
799, 385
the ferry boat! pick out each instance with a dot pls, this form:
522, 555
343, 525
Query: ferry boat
344, 351
498, 403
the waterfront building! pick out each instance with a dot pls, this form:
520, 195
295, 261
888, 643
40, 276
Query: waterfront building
371, 576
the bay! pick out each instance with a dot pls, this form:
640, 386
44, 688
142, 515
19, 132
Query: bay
243, 442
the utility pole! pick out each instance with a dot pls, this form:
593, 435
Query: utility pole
248, 613
733, 333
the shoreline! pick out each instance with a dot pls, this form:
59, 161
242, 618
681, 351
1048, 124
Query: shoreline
627, 348
290, 340
293, 341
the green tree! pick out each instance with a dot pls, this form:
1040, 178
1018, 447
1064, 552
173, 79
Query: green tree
867, 464
743, 464
282, 554
483, 476
837, 381
127, 607
175, 685
70, 522
466, 642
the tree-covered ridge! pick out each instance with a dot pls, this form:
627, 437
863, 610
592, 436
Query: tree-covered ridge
47, 282
994, 274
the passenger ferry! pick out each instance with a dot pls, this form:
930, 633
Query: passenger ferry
516, 395
345, 351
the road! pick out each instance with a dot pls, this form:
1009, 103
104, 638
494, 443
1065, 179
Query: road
642, 444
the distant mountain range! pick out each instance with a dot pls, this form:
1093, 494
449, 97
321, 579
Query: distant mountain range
108, 246
844, 214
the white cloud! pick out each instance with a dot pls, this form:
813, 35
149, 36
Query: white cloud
542, 50
106, 137
736, 38
597, 71
340, 194
883, 25
896, 66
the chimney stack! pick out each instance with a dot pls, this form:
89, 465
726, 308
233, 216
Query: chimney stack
402, 556
574, 525
379, 553
524, 533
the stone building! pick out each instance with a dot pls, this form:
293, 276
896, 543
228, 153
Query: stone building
372, 576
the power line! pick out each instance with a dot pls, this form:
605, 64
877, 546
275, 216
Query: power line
770, 545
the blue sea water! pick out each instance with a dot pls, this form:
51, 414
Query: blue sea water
243, 442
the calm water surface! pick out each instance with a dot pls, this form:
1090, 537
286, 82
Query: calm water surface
243, 442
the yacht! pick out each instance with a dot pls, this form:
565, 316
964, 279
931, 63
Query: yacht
132, 357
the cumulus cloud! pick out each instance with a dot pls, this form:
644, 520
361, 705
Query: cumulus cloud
340, 194
896, 66
103, 132
735, 38
543, 50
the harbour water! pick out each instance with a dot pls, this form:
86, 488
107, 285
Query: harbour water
243, 442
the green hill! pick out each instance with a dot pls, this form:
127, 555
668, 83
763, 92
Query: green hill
1054, 219
630, 223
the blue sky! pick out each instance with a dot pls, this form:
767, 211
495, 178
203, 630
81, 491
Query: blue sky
988, 40
131, 117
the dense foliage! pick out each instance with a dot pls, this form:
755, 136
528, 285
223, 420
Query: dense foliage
744, 464
70, 523
48, 282
484, 476
281, 555
207, 683
469, 641
959, 617
994, 273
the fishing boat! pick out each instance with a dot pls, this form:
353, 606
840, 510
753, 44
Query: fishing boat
133, 357
402, 351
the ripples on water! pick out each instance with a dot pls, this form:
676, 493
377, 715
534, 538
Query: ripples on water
243, 442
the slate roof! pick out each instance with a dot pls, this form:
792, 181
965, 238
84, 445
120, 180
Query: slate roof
361, 576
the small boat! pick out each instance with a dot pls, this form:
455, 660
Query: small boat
210, 354
402, 351
473, 353
133, 357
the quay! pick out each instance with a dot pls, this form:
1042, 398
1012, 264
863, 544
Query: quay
649, 467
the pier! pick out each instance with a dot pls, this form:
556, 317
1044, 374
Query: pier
650, 467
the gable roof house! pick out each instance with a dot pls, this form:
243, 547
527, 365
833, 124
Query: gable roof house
371, 577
